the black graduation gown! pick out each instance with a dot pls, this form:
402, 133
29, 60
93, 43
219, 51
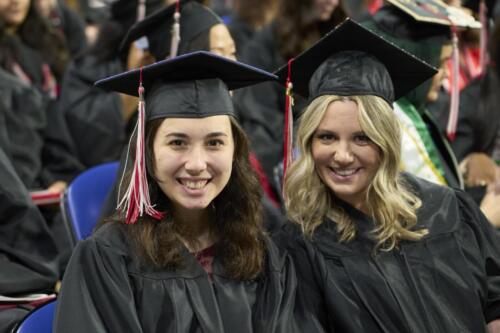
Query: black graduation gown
104, 290
28, 255
261, 107
36, 134
94, 116
447, 282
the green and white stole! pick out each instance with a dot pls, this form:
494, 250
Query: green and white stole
419, 154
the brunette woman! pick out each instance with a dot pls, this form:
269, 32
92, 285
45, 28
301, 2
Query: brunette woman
188, 252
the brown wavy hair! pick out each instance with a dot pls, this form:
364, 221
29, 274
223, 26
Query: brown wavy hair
237, 217
297, 27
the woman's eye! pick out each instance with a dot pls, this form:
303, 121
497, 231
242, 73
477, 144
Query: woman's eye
362, 139
215, 143
325, 137
176, 143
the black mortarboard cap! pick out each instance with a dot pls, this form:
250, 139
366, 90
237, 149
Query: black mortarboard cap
352, 60
188, 86
195, 19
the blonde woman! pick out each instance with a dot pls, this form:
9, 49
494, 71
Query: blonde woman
377, 250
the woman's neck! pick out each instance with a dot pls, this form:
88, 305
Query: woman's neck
195, 228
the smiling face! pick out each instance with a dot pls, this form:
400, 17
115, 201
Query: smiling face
14, 12
193, 160
346, 159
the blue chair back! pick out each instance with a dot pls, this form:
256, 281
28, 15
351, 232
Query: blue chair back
85, 197
39, 320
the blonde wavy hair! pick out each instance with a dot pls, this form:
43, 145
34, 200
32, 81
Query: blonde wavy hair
390, 202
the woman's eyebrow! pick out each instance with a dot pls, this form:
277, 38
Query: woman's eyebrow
216, 134
184, 135
177, 134
324, 131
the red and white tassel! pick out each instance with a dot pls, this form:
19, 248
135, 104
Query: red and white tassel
451, 127
136, 201
176, 32
483, 41
288, 130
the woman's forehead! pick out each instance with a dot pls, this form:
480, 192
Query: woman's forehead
194, 126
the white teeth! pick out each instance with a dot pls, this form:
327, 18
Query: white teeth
194, 185
345, 172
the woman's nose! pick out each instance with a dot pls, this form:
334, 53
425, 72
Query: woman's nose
196, 161
343, 154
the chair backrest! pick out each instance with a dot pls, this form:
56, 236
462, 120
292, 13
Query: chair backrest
85, 197
39, 320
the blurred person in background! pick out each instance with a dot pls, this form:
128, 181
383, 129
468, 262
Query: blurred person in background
38, 54
44, 152
28, 254
66, 22
41, 149
95, 118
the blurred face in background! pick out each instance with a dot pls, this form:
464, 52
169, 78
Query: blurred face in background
221, 42
325, 8
437, 79
14, 12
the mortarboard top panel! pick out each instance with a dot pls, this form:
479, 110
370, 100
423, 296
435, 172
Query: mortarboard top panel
438, 12
405, 70
194, 85
198, 65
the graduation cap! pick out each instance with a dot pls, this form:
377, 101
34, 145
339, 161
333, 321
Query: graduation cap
194, 85
437, 12
350, 60
184, 20
188, 72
